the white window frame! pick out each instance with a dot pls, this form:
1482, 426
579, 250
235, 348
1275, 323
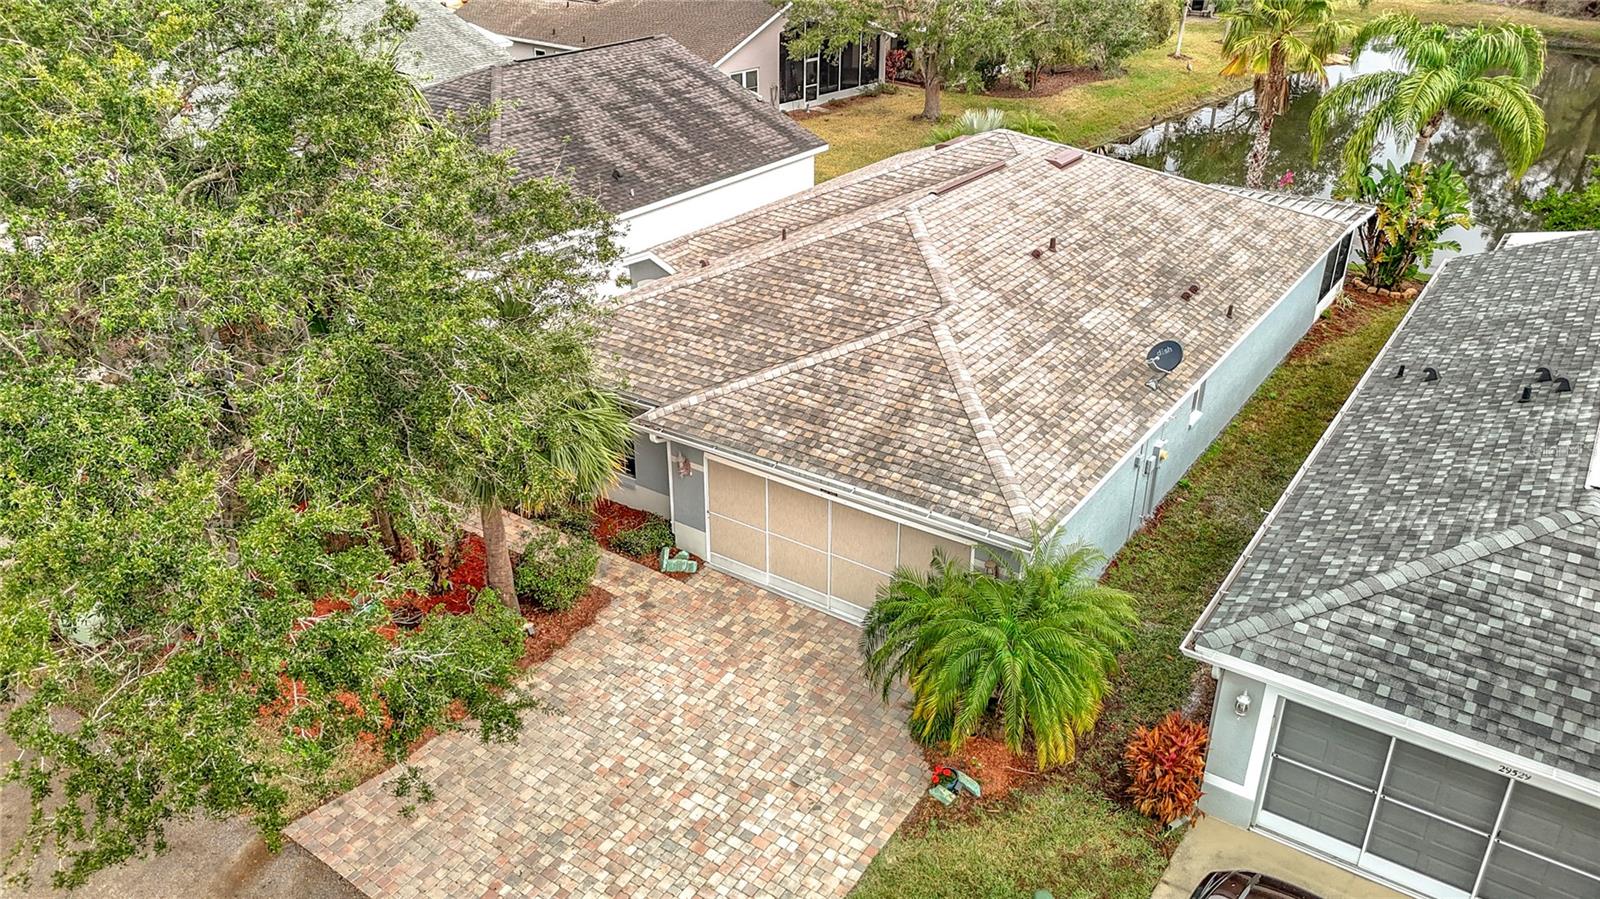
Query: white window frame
749, 79
1197, 405
1359, 857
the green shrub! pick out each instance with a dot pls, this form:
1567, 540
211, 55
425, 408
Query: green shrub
575, 520
555, 570
645, 540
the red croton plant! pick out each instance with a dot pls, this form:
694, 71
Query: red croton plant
1166, 763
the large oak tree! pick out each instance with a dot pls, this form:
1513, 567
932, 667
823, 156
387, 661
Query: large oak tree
264, 324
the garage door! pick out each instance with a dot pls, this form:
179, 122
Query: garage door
825, 553
1425, 820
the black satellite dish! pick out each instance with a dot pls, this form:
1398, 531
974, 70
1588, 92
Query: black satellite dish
1163, 359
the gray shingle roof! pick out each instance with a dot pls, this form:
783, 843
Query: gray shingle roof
630, 123
1002, 387
709, 28
1439, 556
440, 46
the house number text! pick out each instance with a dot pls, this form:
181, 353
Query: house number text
1511, 772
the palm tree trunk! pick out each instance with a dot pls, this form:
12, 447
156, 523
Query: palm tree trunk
1256, 163
1271, 88
1419, 151
497, 554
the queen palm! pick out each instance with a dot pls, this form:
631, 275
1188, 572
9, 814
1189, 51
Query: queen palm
1034, 648
1274, 39
1484, 74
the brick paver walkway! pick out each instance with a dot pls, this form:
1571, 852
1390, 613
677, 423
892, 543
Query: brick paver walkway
716, 740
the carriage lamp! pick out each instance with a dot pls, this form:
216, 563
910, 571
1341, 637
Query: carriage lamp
1241, 704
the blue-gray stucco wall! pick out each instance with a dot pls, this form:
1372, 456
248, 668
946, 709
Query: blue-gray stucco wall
1113, 513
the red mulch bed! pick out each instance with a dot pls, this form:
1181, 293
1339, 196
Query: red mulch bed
1342, 322
553, 630
1047, 85
611, 519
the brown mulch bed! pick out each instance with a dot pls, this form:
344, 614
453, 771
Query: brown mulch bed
1053, 83
611, 519
553, 630
998, 770
1336, 326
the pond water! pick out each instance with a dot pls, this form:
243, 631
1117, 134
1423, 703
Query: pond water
1210, 145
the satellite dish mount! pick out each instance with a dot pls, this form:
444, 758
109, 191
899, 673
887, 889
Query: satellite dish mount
1163, 359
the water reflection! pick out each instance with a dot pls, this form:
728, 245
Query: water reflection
1210, 145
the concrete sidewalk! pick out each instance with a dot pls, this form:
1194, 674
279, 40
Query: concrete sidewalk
1213, 845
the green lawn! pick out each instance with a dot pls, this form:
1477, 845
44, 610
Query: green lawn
1155, 86
1064, 835
1067, 839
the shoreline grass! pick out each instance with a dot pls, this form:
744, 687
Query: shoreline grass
1154, 86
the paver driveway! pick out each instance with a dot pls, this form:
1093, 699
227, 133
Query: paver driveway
716, 740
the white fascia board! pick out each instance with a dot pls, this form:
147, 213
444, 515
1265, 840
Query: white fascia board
533, 43
1215, 367
752, 35
1572, 786
707, 188
1283, 498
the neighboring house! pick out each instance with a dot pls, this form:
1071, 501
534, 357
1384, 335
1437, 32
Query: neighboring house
744, 39
662, 140
948, 348
1409, 651
440, 46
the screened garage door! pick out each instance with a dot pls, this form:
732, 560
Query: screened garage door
825, 553
1424, 820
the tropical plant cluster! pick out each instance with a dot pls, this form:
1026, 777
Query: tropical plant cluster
1028, 652
267, 327
1416, 204
1166, 763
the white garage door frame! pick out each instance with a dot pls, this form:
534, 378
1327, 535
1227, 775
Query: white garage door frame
825, 602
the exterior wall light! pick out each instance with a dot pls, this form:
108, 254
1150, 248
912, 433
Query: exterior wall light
1241, 704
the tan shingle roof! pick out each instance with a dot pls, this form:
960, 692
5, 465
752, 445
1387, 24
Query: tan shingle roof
903, 339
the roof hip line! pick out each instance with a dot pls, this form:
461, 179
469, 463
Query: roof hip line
977, 415
783, 368
1384, 581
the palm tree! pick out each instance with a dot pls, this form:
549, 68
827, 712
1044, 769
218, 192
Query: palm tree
1036, 647
1482, 74
561, 447
1275, 39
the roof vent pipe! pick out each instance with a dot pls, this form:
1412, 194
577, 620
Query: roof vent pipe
1527, 394
1400, 372
1052, 244
1430, 374
1229, 313
1542, 374
1563, 385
